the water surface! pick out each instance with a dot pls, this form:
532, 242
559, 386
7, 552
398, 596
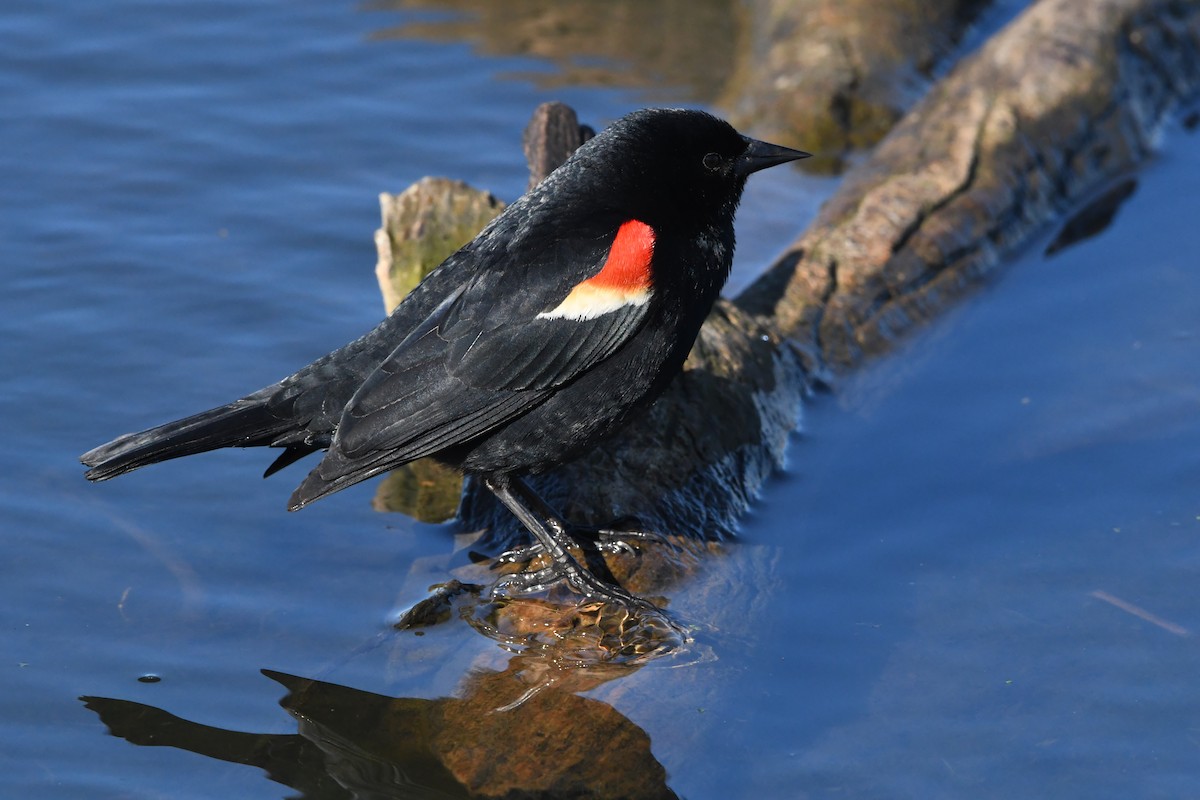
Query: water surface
934, 600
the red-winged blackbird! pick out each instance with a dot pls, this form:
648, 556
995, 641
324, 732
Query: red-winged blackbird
564, 317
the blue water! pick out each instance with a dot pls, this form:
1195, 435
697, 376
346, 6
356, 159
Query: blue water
186, 213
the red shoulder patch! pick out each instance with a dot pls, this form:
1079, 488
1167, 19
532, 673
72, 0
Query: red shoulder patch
624, 280
627, 268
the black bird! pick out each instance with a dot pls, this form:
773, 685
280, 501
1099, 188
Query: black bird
563, 318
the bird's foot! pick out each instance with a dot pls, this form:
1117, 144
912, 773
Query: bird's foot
617, 539
556, 539
578, 578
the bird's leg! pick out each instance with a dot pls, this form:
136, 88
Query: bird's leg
553, 536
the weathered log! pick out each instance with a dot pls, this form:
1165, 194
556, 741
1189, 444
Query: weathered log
422, 226
550, 137
1048, 113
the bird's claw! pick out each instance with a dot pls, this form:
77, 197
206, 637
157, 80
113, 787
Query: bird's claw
581, 581
520, 583
626, 540
610, 541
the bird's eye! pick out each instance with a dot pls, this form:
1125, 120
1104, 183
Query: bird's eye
712, 161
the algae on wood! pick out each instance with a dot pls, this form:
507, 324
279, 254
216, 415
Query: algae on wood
422, 227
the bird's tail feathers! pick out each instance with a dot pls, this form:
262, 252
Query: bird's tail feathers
334, 474
243, 423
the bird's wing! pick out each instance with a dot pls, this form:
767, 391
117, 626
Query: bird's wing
579, 302
413, 405
408, 408
493, 350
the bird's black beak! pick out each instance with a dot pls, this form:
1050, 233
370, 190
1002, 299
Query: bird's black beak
760, 155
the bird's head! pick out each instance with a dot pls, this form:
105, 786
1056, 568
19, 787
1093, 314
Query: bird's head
672, 168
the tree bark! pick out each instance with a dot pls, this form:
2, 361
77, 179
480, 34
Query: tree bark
1049, 113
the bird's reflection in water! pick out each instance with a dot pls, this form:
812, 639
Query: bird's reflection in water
522, 732
497, 740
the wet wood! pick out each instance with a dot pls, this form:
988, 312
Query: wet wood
422, 226
550, 137
1050, 112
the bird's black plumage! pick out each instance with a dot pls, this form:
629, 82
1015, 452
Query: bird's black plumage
567, 314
